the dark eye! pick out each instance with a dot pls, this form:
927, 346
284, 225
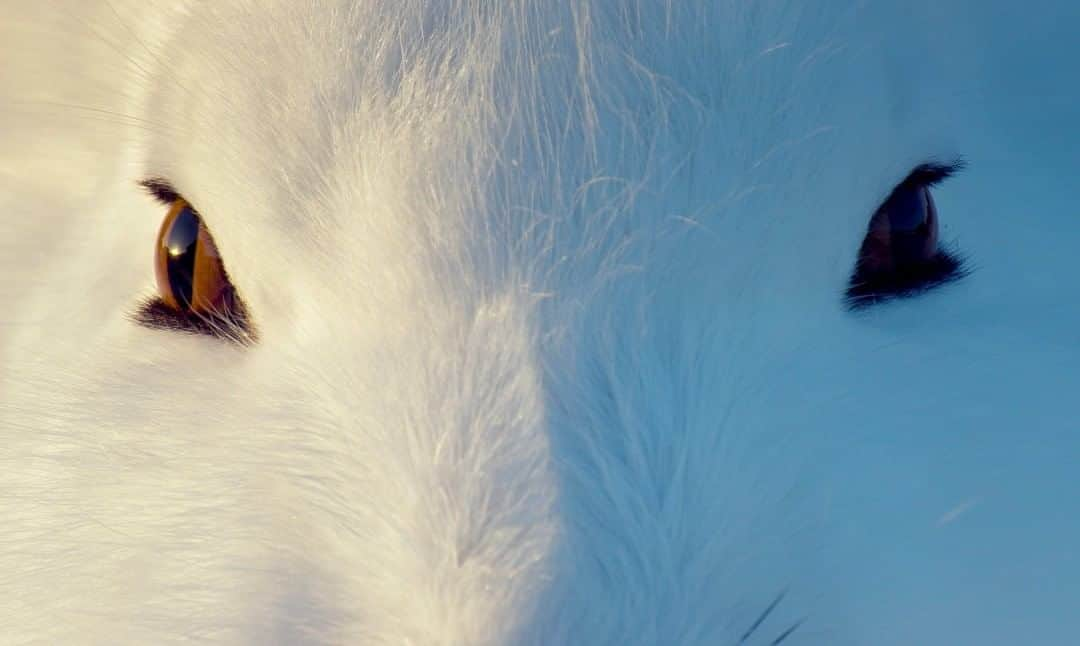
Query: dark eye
194, 292
901, 254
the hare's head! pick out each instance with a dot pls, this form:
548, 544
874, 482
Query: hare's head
544, 323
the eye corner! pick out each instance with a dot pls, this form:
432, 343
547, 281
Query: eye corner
233, 325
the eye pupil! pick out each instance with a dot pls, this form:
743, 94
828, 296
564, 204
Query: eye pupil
190, 276
181, 239
908, 208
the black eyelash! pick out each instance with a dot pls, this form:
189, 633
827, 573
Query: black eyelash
932, 174
161, 189
947, 266
233, 325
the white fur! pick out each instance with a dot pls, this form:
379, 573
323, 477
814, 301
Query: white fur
551, 341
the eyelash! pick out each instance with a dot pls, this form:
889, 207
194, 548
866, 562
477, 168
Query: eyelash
933, 174
155, 314
160, 189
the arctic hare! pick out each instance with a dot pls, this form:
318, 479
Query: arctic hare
532, 322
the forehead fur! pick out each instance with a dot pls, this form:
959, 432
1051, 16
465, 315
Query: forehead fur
426, 153
472, 118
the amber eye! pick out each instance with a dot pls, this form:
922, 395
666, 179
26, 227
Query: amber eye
190, 276
194, 291
901, 255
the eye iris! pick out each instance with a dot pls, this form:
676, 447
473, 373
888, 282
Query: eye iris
902, 234
190, 276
